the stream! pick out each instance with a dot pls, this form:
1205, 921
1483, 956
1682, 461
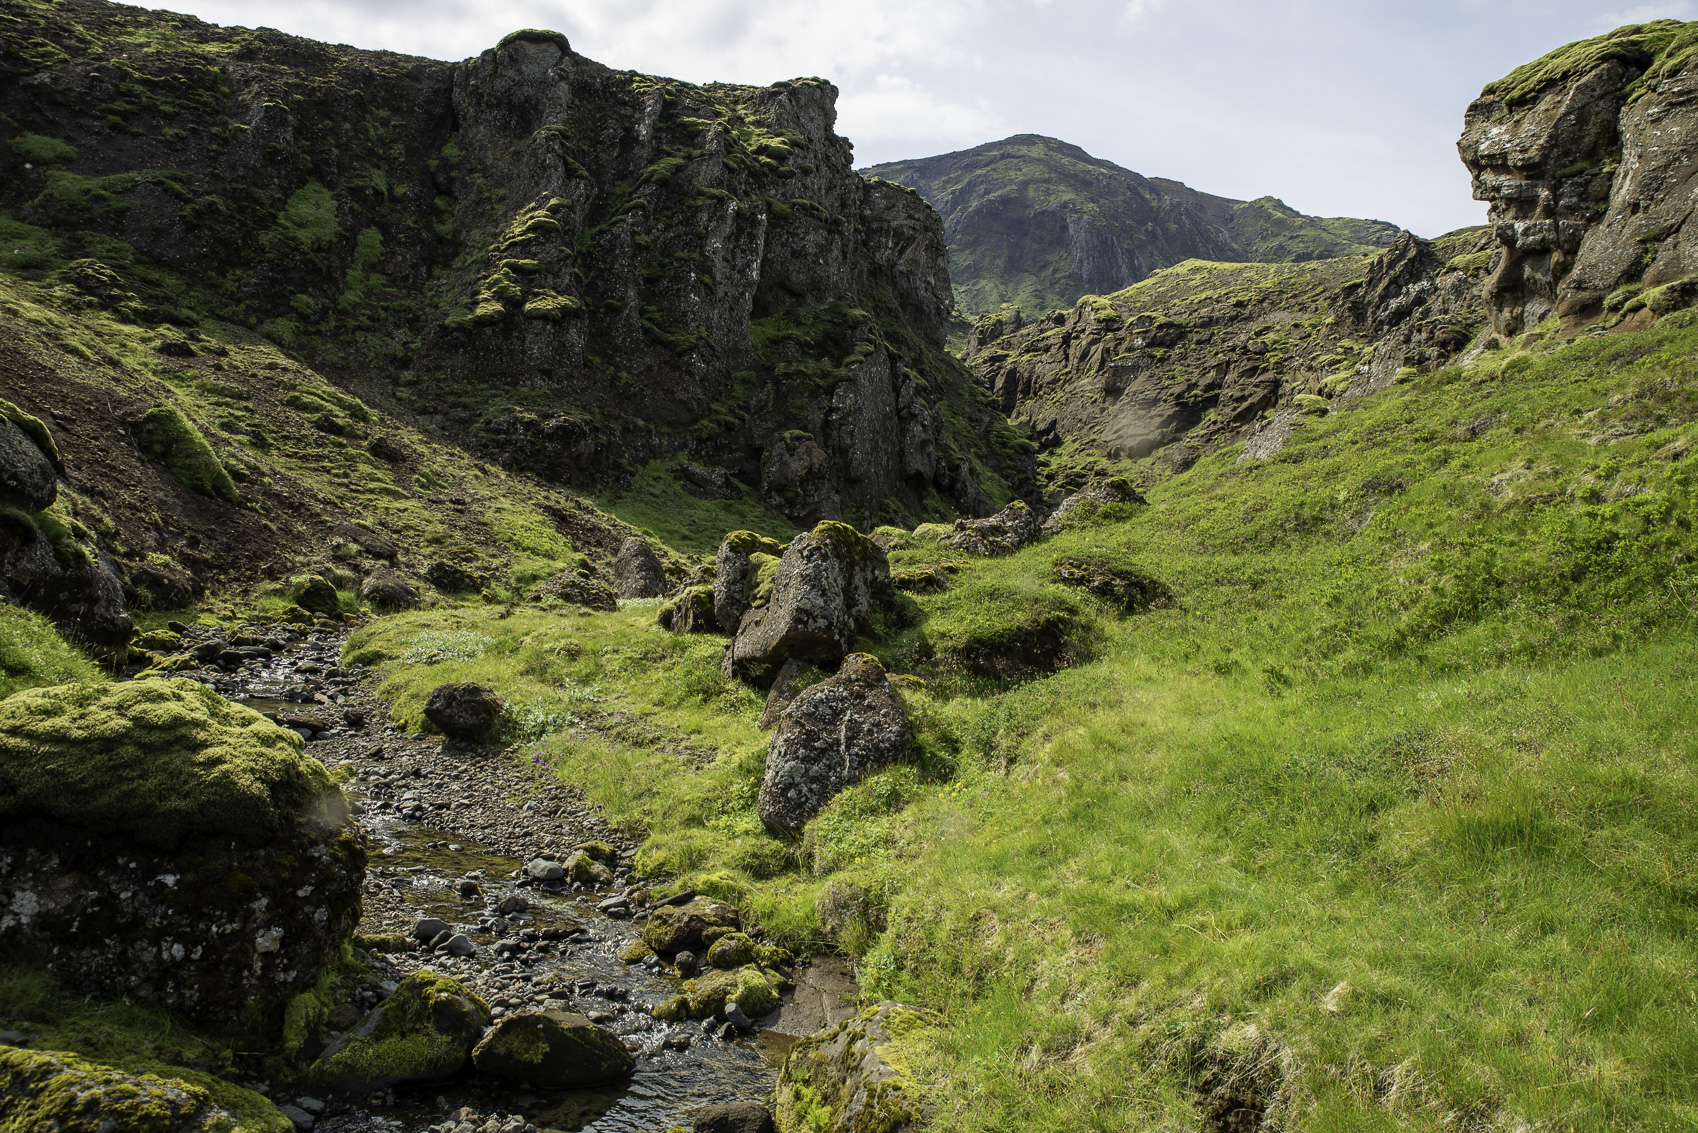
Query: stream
451, 826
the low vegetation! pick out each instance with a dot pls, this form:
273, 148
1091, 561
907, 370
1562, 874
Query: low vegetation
1381, 820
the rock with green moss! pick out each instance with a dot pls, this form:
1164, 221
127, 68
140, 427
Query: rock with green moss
574, 588
464, 710
36, 430
752, 988
690, 612
59, 1091
316, 595
27, 478
554, 1050
689, 927
1001, 534
857, 1075
582, 869
731, 582
823, 592
423, 1032
162, 843
1126, 588
168, 434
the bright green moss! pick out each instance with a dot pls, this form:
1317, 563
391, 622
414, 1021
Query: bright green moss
160, 760
32, 654
427, 1030
309, 219
39, 150
33, 428
57, 1090
551, 305
168, 434
763, 572
1655, 50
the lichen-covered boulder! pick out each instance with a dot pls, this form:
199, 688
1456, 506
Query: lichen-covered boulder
857, 1075
736, 949
689, 927
423, 1032
637, 571
1090, 500
831, 736
1001, 534
554, 1050
582, 869
464, 710
59, 1091
162, 843
27, 479
731, 580
824, 591
577, 589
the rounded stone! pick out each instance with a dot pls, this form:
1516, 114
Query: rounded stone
553, 1049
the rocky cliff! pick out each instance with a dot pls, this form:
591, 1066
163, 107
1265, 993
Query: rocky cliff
1037, 222
571, 269
1586, 158
1205, 354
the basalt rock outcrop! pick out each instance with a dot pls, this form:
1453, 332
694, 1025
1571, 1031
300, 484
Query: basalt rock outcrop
820, 595
1202, 355
573, 269
162, 843
1586, 159
831, 736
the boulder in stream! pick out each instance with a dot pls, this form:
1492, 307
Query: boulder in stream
423, 1032
553, 1050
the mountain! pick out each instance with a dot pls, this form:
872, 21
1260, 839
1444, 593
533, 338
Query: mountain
1037, 222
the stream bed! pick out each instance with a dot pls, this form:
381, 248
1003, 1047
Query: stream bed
450, 827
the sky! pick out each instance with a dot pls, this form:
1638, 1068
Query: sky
1338, 108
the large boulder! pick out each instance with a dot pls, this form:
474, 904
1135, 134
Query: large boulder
637, 572
832, 735
1002, 534
423, 1032
62, 577
57, 1090
317, 595
554, 1050
824, 591
690, 612
732, 581
27, 479
463, 710
455, 578
690, 927
161, 843
856, 1075
1090, 500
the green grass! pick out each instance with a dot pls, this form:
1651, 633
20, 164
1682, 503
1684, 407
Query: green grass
657, 503
1386, 817
32, 654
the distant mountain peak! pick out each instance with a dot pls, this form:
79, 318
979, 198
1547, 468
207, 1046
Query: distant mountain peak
1037, 222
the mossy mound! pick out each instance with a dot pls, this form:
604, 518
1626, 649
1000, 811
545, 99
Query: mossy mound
857, 1075
35, 429
158, 760
576, 589
754, 989
422, 1032
166, 433
55, 1090
553, 1049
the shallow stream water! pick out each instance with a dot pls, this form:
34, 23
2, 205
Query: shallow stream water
440, 815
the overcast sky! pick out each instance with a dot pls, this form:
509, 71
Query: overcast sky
1339, 108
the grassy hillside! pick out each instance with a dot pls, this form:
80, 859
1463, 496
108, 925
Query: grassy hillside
1036, 222
1383, 819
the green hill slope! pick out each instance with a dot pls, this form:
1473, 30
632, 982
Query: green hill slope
1037, 222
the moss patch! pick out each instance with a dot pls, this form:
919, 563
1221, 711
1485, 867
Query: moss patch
160, 760
167, 433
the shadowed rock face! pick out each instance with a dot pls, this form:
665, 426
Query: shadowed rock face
574, 269
1588, 159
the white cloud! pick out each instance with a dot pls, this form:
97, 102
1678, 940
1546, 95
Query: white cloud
898, 110
1643, 14
1136, 10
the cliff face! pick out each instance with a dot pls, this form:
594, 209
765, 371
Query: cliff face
1205, 354
1037, 222
571, 269
1587, 158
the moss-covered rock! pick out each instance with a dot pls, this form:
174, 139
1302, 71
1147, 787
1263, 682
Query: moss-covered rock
585, 870
732, 579
157, 761
42, 1091
423, 1032
636, 952
690, 612
731, 951
316, 595
689, 927
168, 434
857, 1076
552, 1049
754, 989
823, 591
161, 843
576, 589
